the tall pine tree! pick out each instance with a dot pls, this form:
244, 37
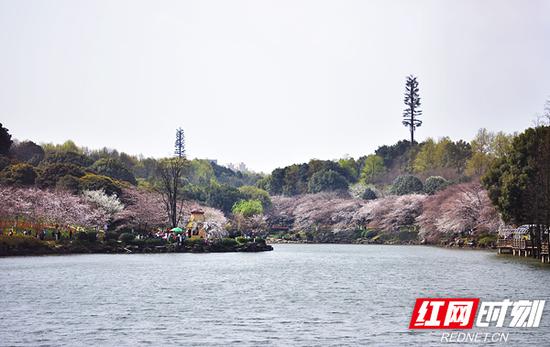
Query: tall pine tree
412, 112
180, 143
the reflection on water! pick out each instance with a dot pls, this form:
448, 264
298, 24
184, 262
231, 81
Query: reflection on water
299, 295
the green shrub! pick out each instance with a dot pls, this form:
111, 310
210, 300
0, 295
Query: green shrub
18, 240
155, 242
195, 240
91, 236
407, 184
111, 235
487, 240
369, 194
21, 242
126, 237
50, 174
81, 236
434, 184
21, 174
228, 242
138, 242
327, 180
259, 240
98, 182
114, 168
241, 239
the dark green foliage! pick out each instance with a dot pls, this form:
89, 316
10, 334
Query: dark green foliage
155, 242
195, 241
81, 236
369, 194
295, 179
224, 197
5, 140
235, 179
412, 112
487, 240
98, 182
91, 236
352, 169
180, 143
328, 180
241, 240
458, 154
113, 168
4, 162
68, 183
111, 235
27, 151
434, 184
228, 242
126, 237
315, 166
22, 245
264, 183
519, 183
68, 157
21, 174
195, 192
276, 181
138, 242
391, 153
50, 173
259, 240
407, 184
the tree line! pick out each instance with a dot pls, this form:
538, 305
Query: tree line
431, 162
75, 169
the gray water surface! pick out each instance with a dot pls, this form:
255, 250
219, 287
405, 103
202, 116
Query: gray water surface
297, 295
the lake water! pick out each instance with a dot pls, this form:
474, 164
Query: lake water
297, 295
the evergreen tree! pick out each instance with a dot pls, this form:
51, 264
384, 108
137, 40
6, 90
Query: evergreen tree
5, 140
412, 112
180, 143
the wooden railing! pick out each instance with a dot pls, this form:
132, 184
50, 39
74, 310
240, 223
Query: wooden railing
518, 243
505, 243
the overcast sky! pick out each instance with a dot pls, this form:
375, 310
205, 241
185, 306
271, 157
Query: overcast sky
269, 83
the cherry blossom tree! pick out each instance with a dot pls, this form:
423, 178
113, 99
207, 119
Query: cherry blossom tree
50, 207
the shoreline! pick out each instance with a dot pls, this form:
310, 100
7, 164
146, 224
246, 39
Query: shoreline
270, 241
30, 246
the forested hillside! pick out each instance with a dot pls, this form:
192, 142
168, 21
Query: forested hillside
435, 190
